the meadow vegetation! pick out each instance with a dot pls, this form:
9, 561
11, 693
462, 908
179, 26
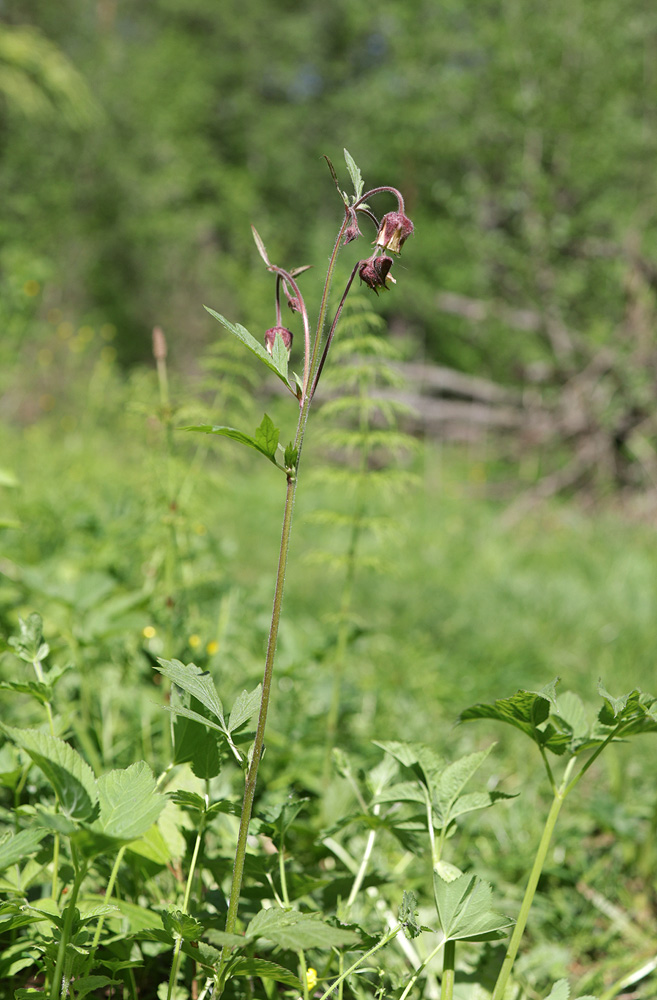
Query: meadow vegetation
451, 605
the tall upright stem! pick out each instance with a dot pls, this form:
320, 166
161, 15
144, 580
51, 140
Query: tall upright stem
534, 875
258, 744
310, 367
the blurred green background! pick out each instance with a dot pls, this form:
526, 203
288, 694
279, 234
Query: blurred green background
139, 141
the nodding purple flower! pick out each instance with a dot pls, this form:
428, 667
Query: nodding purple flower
270, 338
374, 272
393, 232
352, 232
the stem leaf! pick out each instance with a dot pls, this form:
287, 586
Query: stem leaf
244, 708
196, 682
355, 174
266, 434
253, 345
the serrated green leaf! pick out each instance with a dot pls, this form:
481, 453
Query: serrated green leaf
224, 939
403, 791
266, 437
41, 692
453, 779
297, 931
196, 682
253, 345
278, 818
244, 708
464, 909
234, 434
175, 921
472, 801
355, 174
29, 644
572, 713
263, 969
195, 741
85, 984
129, 802
560, 991
70, 776
403, 752
527, 711
189, 713
637, 711
190, 801
20, 846
408, 912
447, 871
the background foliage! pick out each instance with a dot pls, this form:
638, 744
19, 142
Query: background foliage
138, 141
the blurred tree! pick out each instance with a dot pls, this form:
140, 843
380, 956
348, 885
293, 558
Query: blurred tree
521, 134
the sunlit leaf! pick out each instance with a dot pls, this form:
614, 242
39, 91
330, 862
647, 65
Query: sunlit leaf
297, 931
354, 173
70, 776
253, 345
464, 909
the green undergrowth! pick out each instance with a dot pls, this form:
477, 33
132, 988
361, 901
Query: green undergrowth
465, 606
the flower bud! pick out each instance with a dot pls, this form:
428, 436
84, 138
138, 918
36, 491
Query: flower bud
393, 232
294, 302
352, 232
374, 272
270, 337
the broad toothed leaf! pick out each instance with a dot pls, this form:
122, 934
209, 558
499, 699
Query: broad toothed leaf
294, 931
70, 776
527, 711
266, 435
196, 682
464, 909
129, 802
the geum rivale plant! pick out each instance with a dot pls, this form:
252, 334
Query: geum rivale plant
391, 232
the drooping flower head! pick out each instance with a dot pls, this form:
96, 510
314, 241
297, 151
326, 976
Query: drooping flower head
393, 232
374, 272
270, 338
